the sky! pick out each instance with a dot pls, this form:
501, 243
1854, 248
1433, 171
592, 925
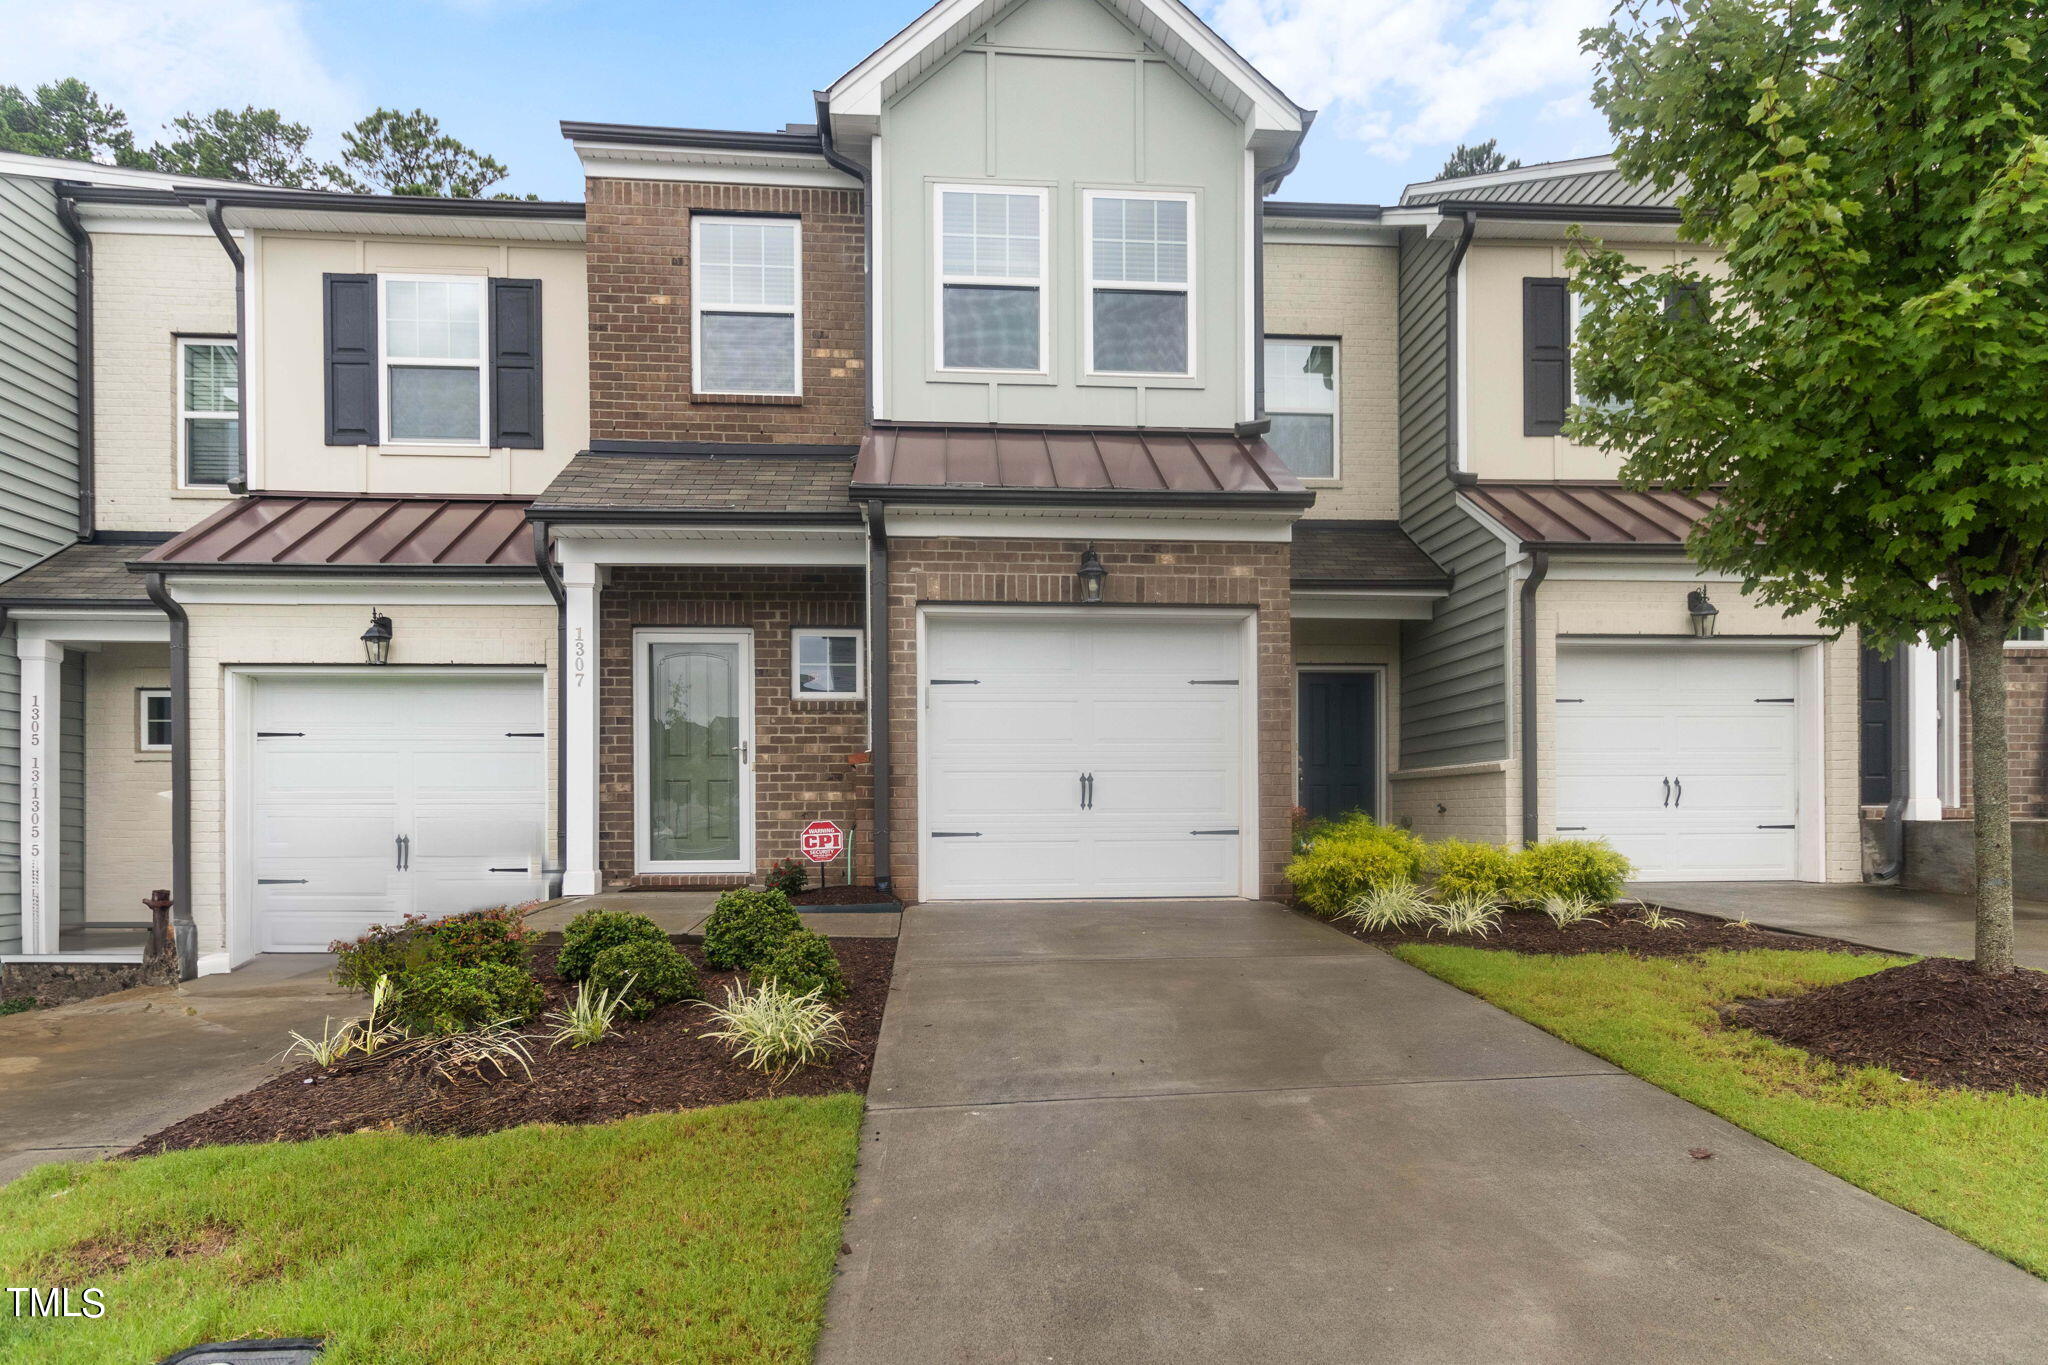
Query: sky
1398, 83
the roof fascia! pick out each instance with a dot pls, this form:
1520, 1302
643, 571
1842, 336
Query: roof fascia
1520, 175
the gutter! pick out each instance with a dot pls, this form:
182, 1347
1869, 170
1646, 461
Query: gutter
82, 340
238, 484
1265, 184
828, 146
556, 590
1452, 435
879, 756
1539, 568
184, 932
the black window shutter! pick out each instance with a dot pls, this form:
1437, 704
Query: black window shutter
1546, 355
515, 364
350, 332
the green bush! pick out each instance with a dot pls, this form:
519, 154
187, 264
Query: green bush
643, 976
593, 931
746, 926
1350, 857
1571, 870
1468, 871
469, 939
790, 876
804, 963
444, 999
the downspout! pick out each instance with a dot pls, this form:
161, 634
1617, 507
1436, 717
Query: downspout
81, 302
238, 484
184, 933
1894, 827
553, 578
1452, 435
879, 759
1265, 184
1539, 568
839, 161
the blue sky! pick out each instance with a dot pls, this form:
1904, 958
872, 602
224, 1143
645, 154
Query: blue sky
1399, 82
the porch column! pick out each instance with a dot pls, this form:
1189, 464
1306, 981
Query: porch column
1920, 673
580, 582
42, 694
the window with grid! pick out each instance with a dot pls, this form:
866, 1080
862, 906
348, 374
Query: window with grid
827, 663
1139, 273
1301, 399
746, 278
433, 359
991, 279
152, 718
209, 411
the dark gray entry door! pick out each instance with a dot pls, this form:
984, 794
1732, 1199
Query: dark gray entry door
1339, 743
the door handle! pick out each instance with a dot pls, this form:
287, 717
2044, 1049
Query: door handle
398, 853
1677, 792
743, 751
1667, 791
404, 852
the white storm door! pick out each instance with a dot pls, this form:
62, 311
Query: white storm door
693, 741
1685, 758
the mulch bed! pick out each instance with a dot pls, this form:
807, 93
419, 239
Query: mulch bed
655, 1066
1937, 1020
844, 895
1531, 931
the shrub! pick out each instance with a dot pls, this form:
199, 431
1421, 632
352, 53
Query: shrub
746, 927
790, 876
445, 999
644, 976
1350, 857
593, 931
476, 937
16, 1004
1397, 905
1466, 914
804, 963
1464, 870
775, 1030
469, 939
1571, 869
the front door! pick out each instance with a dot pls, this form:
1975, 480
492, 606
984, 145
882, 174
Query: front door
694, 734
1339, 744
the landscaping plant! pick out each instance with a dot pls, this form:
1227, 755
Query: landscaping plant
775, 1030
644, 976
469, 939
746, 927
367, 1036
1565, 911
1650, 917
593, 931
588, 1017
804, 963
472, 1053
1466, 913
16, 1004
1464, 871
442, 999
790, 876
1350, 857
1397, 905
1570, 869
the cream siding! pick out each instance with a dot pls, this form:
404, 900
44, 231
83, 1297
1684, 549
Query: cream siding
1348, 293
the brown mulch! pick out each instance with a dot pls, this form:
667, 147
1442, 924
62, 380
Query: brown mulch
844, 895
1938, 1020
654, 1066
1616, 931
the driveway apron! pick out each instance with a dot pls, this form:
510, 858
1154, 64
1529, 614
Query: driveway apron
1217, 1131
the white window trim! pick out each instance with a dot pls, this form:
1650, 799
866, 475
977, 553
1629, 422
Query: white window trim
1090, 284
860, 669
142, 697
1336, 414
482, 363
940, 279
185, 414
794, 311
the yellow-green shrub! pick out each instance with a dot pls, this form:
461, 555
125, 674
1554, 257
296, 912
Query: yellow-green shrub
1571, 870
1468, 871
1350, 858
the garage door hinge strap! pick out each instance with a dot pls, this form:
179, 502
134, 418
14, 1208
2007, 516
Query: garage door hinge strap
1779, 701
1569, 829
526, 734
1562, 700
1777, 827
1212, 682
280, 881
955, 834
956, 682
507, 869
1212, 831
280, 734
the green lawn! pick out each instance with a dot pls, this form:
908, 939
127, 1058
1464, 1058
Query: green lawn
1970, 1162
702, 1236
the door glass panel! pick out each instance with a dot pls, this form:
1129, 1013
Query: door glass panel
693, 761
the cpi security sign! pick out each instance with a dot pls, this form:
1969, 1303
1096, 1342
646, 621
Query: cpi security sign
822, 841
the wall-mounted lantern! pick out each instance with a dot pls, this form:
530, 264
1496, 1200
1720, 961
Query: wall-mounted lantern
377, 639
1091, 574
1703, 613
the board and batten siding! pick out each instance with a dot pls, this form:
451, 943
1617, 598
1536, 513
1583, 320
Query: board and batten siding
38, 454
1454, 682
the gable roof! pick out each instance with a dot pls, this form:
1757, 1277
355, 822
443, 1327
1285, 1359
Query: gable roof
1591, 181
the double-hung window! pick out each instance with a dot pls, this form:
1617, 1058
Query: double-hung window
1140, 315
992, 265
1301, 399
433, 350
745, 283
209, 411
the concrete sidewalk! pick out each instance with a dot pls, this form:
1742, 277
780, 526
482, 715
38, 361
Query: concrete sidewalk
87, 1080
1148, 1132
1920, 922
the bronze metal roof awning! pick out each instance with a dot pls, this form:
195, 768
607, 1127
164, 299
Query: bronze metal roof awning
1336, 555
85, 576
336, 533
1084, 466
1591, 516
698, 484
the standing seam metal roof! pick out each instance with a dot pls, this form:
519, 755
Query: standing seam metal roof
305, 530
1562, 515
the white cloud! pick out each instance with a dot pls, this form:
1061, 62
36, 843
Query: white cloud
159, 58
1404, 74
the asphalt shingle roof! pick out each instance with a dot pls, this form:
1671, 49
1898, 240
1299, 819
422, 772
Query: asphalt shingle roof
80, 573
767, 484
1361, 554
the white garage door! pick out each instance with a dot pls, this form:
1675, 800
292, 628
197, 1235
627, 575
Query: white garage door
1685, 759
376, 796
1073, 757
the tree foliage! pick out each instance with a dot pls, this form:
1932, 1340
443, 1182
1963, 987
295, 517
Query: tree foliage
256, 145
1477, 159
389, 152
65, 119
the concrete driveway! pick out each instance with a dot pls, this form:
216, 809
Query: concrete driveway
87, 1080
1146, 1132
1921, 922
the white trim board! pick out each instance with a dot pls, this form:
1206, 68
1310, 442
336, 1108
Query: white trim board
834, 548
1010, 523
253, 590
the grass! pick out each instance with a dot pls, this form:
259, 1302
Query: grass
701, 1236
1968, 1161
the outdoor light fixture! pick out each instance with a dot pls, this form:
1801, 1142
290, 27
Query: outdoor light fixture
377, 639
1092, 573
1702, 611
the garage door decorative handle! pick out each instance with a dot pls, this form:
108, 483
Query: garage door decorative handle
1677, 793
404, 852
1667, 791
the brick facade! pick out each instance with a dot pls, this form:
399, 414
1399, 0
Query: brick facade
1141, 573
804, 751
2026, 730
638, 259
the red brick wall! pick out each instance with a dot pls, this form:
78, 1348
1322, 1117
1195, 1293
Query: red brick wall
1140, 573
802, 748
2026, 729
638, 267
